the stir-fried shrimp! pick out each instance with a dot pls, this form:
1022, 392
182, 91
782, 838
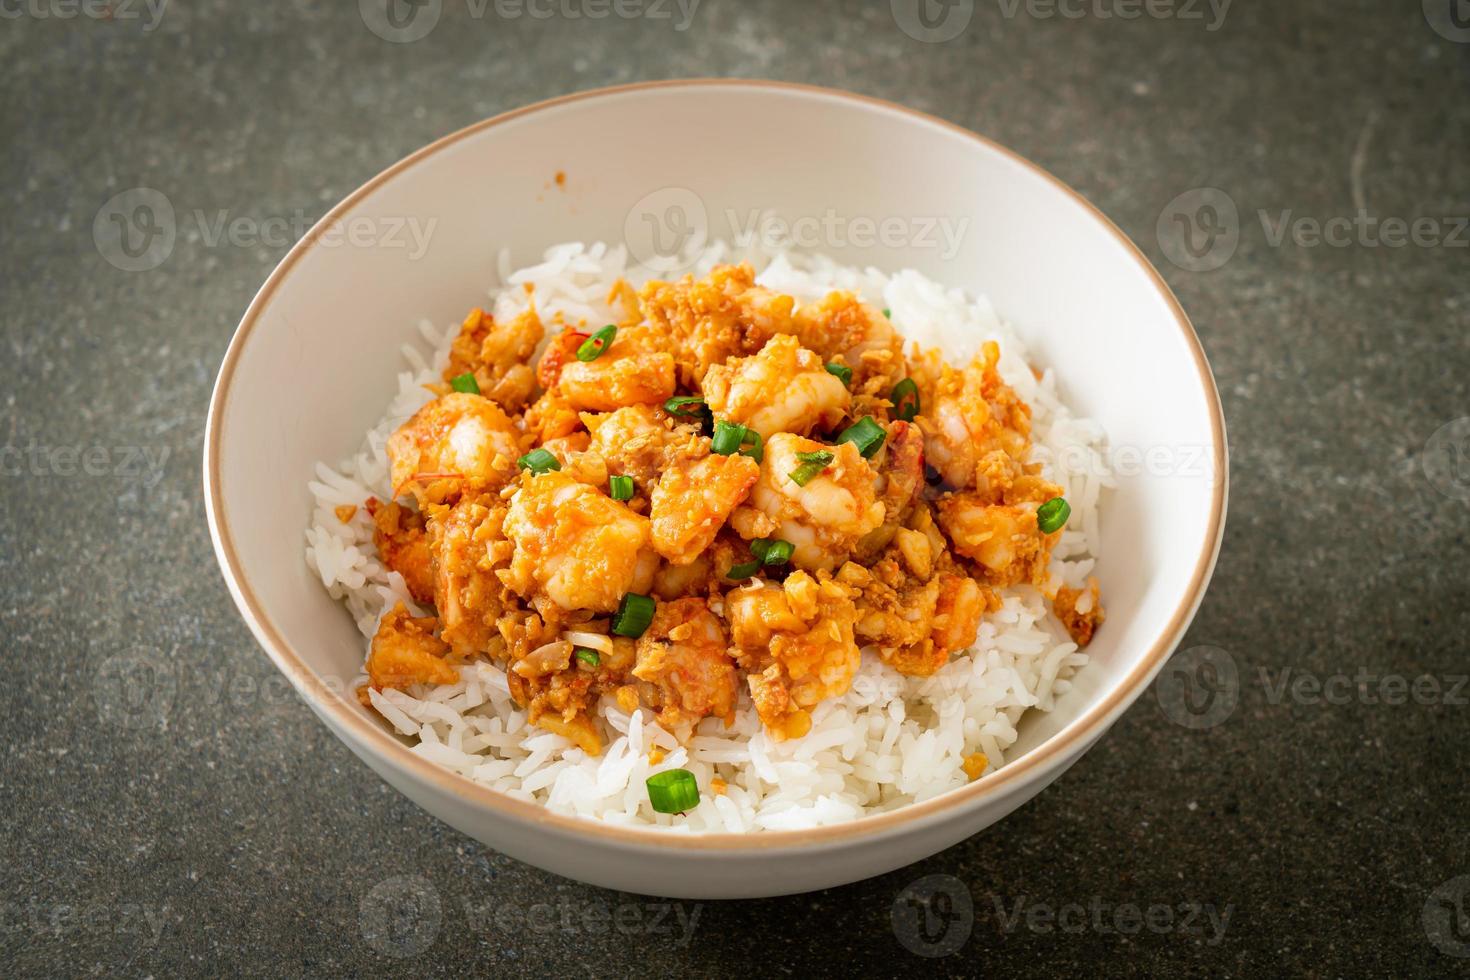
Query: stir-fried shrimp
972, 416
498, 355
405, 651
842, 328
900, 477
638, 441
783, 388
743, 543
574, 545
796, 643
706, 321
825, 518
403, 544
468, 545
692, 500
454, 443
1005, 540
683, 658
629, 372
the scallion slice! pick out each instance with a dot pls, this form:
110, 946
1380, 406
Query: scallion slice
727, 438
466, 384
887, 313
1052, 515
686, 406
589, 657
539, 461
866, 434
811, 465
594, 346
620, 487
841, 372
751, 445
743, 570
634, 614
905, 399
673, 791
772, 551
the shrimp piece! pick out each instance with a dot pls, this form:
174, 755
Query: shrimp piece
575, 546
796, 644
783, 388
707, 321
900, 476
1079, 611
825, 519
499, 356
693, 498
403, 545
977, 431
551, 417
841, 327
405, 652
633, 370
454, 443
1003, 539
560, 350
468, 543
638, 441
683, 660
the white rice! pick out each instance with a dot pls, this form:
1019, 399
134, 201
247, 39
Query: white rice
891, 740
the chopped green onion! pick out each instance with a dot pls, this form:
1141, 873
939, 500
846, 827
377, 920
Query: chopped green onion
539, 461
727, 439
772, 551
634, 614
887, 313
841, 372
673, 791
620, 487
681, 406
1052, 515
750, 445
743, 571
866, 434
594, 346
466, 383
811, 465
905, 399
589, 657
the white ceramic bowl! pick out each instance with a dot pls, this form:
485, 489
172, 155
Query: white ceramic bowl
313, 364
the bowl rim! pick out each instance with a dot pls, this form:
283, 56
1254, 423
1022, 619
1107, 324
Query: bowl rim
368, 736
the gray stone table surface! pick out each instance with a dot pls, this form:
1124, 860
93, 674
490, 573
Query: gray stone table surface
1305, 834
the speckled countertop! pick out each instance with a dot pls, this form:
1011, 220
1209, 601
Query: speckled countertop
1319, 827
